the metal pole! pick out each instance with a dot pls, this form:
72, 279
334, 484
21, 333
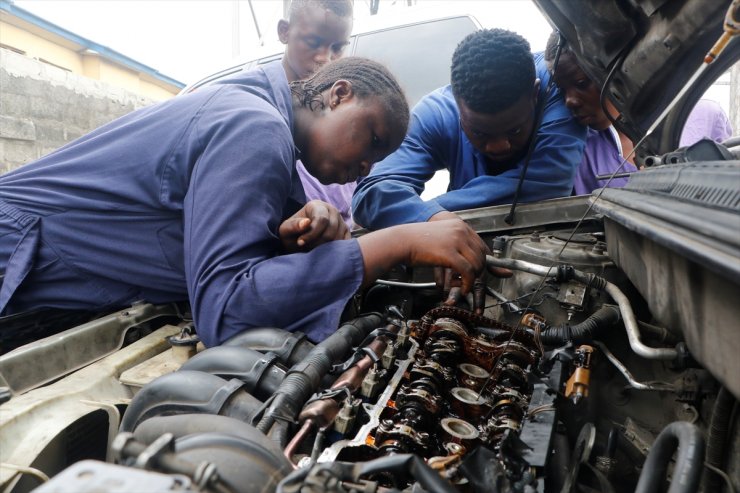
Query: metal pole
235, 30
256, 24
735, 98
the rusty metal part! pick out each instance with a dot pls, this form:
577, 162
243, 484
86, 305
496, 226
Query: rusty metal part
578, 383
459, 431
472, 376
534, 321
443, 463
511, 376
428, 401
428, 368
517, 353
448, 328
468, 404
457, 358
459, 314
396, 437
324, 411
307, 427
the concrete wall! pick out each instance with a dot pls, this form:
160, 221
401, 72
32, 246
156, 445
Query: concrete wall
42, 107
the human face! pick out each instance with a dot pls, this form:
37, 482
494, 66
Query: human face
581, 94
312, 39
344, 140
501, 137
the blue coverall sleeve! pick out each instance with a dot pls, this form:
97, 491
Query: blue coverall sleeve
390, 195
550, 174
237, 279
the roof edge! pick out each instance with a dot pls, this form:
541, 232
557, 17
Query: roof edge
103, 51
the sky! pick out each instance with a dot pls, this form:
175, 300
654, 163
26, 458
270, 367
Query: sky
189, 39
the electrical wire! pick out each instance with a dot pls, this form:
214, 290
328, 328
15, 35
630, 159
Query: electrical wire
723, 475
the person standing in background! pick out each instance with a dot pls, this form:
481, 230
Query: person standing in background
315, 33
706, 121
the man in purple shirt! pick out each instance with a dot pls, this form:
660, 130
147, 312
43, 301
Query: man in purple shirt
706, 121
601, 157
604, 152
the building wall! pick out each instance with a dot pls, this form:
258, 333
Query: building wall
39, 48
35, 42
42, 107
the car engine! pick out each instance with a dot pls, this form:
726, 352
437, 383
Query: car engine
558, 378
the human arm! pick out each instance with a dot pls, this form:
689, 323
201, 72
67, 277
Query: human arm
447, 243
315, 224
237, 278
555, 158
390, 195
557, 153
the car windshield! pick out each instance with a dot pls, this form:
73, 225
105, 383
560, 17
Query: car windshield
417, 65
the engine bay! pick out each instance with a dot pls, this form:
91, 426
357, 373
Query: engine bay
557, 378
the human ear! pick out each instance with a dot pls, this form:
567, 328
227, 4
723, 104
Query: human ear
283, 28
536, 91
341, 91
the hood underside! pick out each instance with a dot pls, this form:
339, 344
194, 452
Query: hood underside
645, 52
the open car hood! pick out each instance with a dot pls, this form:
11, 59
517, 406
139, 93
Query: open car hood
646, 51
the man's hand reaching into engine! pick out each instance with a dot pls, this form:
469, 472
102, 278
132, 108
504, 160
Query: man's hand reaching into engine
315, 224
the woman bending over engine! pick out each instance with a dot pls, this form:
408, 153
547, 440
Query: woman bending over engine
197, 198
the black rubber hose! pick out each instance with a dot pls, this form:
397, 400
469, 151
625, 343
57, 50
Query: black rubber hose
604, 317
279, 434
428, 478
689, 463
304, 378
717, 436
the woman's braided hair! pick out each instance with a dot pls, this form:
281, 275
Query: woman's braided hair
368, 79
492, 69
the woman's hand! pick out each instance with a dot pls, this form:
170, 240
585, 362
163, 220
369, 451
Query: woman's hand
445, 243
315, 224
448, 243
